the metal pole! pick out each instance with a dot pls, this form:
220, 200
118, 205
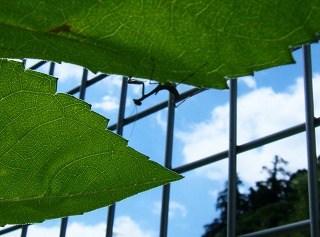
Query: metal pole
232, 183
168, 164
24, 230
83, 85
89, 83
10, 229
283, 230
63, 226
311, 144
122, 106
51, 68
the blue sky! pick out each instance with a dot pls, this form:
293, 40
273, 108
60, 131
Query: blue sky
272, 100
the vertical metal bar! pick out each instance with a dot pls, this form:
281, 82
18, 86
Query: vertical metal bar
122, 106
63, 227
24, 230
232, 183
24, 62
83, 85
311, 144
168, 164
51, 68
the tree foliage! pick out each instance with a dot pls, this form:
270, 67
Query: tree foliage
280, 199
219, 224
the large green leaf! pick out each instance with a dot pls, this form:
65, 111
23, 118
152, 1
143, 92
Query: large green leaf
198, 42
56, 157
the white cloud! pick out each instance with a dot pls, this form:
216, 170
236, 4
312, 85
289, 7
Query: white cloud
206, 138
124, 226
175, 208
112, 84
249, 81
65, 71
81, 230
260, 112
161, 122
108, 103
114, 81
35, 230
214, 194
137, 89
74, 229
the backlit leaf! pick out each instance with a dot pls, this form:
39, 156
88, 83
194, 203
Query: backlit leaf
197, 42
56, 157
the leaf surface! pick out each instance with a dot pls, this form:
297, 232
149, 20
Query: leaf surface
190, 41
56, 157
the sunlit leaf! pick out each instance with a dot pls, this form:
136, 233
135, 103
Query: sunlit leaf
56, 157
197, 42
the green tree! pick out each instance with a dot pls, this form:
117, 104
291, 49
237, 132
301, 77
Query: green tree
281, 199
299, 183
275, 189
270, 202
218, 227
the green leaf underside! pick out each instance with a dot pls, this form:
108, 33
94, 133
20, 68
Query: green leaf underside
56, 157
197, 42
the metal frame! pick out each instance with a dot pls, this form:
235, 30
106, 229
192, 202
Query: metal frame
234, 149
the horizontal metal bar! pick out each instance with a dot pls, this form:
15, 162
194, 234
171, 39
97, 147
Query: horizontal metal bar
202, 162
37, 65
276, 136
284, 229
89, 83
10, 229
245, 147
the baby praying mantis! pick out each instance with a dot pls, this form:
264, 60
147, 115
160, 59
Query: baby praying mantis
169, 86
